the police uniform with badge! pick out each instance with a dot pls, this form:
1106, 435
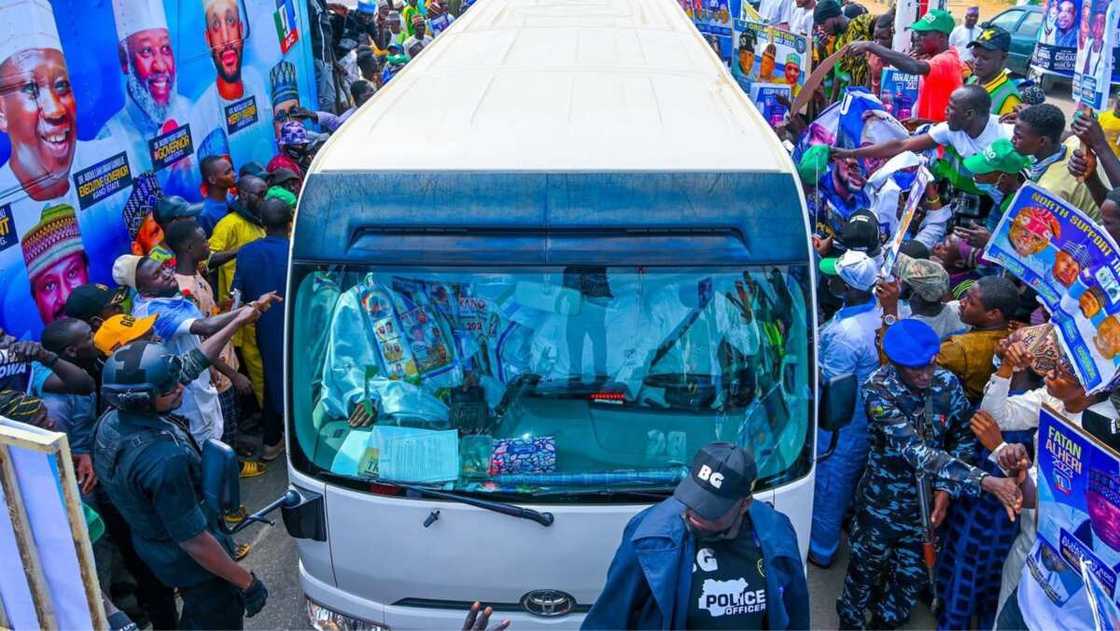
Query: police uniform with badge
916, 434
150, 466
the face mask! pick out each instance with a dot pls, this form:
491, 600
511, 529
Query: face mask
991, 191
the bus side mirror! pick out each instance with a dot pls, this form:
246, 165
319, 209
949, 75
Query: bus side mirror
836, 402
220, 471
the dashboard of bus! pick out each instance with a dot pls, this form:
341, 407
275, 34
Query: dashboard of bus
551, 382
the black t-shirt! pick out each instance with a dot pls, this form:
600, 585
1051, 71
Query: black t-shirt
728, 586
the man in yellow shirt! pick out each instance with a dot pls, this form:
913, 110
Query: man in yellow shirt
986, 307
989, 69
1110, 123
236, 229
1038, 134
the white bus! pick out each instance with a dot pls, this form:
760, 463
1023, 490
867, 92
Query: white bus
555, 256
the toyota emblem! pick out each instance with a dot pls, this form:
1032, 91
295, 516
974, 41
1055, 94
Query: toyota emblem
548, 603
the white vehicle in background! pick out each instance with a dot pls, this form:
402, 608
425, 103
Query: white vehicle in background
558, 254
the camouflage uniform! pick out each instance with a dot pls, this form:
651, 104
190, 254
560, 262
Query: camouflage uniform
886, 536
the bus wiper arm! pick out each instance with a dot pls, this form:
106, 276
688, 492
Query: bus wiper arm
544, 519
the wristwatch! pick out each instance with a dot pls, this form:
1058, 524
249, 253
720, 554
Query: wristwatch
890, 320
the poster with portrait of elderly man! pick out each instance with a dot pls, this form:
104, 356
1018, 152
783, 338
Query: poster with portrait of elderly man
238, 94
161, 128
42, 183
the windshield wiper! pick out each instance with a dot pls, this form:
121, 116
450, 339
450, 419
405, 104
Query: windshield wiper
544, 519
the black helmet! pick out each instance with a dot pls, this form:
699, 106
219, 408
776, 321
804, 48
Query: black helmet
138, 373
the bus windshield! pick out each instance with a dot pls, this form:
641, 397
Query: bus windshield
560, 381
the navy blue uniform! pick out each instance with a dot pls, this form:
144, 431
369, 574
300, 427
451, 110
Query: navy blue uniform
887, 533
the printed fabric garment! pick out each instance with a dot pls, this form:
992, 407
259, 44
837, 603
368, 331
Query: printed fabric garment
969, 357
976, 541
200, 404
854, 70
390, 345
847, 348
196, 289
887, 530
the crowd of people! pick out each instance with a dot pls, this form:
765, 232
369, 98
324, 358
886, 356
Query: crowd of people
186, 350
954, 355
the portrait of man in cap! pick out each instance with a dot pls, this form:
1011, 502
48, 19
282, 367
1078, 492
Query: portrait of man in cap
152, 105
238, 92
37, 108
285, 94
55, 259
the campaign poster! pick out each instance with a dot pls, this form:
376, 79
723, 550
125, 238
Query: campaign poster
713, 19
771, 100
1073, 265
899, 92
1069, 579
1096, 68
768, 55
106, 106
1056, 47
914, 197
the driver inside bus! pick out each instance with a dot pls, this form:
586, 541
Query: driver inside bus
399, 349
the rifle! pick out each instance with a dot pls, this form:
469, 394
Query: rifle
925, 500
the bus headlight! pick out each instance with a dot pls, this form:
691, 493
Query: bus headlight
323, 619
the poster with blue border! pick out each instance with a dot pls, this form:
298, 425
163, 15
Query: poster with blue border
1069, 578
1073, 265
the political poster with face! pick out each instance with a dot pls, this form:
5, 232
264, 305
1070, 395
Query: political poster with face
106, 106
768, 61
1069, 578
1056, 47
1073, 265
1096, 67
713, 19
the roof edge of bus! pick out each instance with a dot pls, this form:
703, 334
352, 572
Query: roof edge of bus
662, 99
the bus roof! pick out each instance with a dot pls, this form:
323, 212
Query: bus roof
596, 85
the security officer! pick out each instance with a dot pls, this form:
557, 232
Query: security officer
918, 418
151, 468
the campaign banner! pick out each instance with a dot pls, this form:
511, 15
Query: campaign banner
241, 115
132, 94
713, 19
771, 100
899, 92
1073, 265
914, 197
768, 55
1069, 579
1056, 46
102, 180
1096, 68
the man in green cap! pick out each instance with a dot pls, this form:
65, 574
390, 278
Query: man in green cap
793, 73
998, 173
938, 63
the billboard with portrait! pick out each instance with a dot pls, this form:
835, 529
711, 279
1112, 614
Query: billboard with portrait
713, 19
108, 104
1096, 66
768, 62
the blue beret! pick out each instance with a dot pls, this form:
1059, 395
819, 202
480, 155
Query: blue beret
911, 343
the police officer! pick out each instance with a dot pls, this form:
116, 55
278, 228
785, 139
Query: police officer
918, 419
150, 466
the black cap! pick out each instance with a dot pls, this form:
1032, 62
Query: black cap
721, 474
281, 175
826, 9
861, 233
173, 207
992, 38
88, 301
